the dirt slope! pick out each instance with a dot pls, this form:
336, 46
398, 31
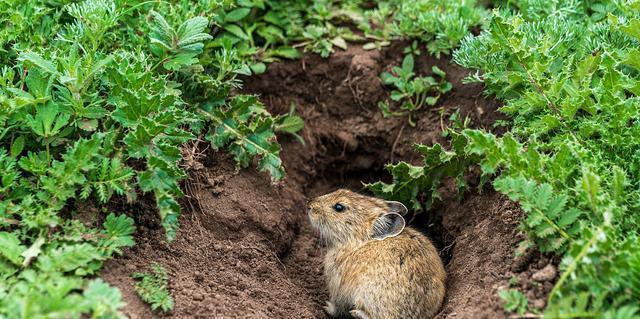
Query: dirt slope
245, 249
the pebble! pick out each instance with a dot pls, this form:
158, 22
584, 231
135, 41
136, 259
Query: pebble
539, 304
217, 190
547, 273
198, 297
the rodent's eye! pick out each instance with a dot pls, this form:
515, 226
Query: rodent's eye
338, 207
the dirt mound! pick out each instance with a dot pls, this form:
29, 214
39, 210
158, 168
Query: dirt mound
245, 249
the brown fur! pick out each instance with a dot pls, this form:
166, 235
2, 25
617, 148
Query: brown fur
397, 277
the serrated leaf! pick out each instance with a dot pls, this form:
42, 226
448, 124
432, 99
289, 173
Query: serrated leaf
633, 58
38, 61
152, 288
119, 230
12, 248
102, 298
249, 130
192, 28
48, 120
568, 217
68, 258
236, 30
272, 164
514, 300
179, 61
632, 29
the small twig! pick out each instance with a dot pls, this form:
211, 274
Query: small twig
24, 74
442, 111
395, 143
9, 221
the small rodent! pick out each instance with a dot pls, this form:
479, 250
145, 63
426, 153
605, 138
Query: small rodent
375, 267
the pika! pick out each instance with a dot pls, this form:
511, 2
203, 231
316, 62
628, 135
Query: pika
375, 266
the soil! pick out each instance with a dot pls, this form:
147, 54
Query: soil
245, 248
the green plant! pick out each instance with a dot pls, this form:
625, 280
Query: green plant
321, 34
178, 48
514, 301
411, 91
417, 186
93, 113
248, 131
264, 31
568, 74
440, 24
42, 274
153, 288
272, 29
413, 49
577, 120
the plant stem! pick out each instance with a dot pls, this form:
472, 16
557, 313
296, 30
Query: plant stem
574, 264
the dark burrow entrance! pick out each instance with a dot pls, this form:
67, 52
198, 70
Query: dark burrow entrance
245, 248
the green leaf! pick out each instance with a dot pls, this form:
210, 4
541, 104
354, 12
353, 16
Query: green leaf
290, 124
258, 68
369, 46
102, 299
286, 52
191, 32
236, 30
633, 58
119, 230
514, 301
407, 63
339, 42
272, 164
70, 257
436, 70
237, 14
40, 62
12, 248
153, 288
179, 61
48, 120
17, 146
249, 131
632, 29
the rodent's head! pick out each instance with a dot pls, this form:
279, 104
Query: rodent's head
348, 217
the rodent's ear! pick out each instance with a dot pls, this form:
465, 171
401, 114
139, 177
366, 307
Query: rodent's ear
388, 225
397, 207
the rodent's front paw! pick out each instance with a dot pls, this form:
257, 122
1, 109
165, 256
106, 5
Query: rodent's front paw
359, 314
330, 308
